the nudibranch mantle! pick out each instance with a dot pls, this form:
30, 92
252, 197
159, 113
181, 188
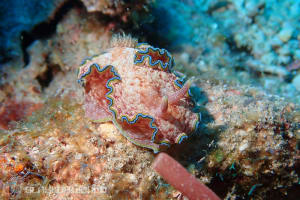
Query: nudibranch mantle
136, 89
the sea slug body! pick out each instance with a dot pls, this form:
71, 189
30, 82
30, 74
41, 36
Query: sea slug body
135, 88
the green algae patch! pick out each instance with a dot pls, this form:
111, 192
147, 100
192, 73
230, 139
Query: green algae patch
218, 155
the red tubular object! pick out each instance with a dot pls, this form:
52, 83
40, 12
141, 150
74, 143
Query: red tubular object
181, 179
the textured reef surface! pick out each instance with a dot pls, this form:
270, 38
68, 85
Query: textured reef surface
234, 63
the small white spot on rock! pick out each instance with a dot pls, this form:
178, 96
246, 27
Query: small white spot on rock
285, 34
244, 146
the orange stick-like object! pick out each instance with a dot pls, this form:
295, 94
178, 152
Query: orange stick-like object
181, 179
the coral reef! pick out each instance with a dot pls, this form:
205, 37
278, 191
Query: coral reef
251, 142
45, 154
115, 8
247, 144
254, 142
245, 42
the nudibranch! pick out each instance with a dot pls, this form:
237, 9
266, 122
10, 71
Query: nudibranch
135, 88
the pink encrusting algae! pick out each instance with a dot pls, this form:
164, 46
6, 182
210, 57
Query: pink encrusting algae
136, 89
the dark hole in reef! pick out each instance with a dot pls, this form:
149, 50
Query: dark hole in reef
3, 74
235, 48
155, 28
219, 186
3, 57
292, 193
46, 29
217, 6
289, 78
26, 40
46, 77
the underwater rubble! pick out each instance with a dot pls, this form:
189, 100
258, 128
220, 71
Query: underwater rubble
243, 41
245, 76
